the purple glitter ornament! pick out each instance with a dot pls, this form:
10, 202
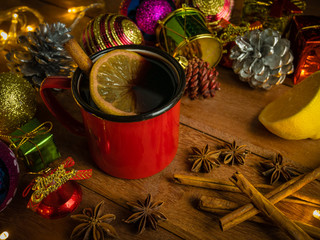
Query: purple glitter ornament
150, 12
9, 175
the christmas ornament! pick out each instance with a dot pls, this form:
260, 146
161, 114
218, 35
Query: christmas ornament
94, 224
54, 195
149, 12
184, 32
305, 39
262, 58
9, 175
146, 214
109, 30
41, 53
34, 144
17, 102
124, 6
275, 14
201, 80
227, 33
215, 10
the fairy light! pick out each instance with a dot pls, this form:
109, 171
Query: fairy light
4, 235
81, 11
77, 9
13, 28
316, 214
29, 28
4, 35
18, 24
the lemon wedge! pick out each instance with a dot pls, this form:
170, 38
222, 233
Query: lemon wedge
296, 114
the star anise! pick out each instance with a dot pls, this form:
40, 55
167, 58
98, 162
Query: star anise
94, 224
146, 213
232, 153
204, 159
276, 168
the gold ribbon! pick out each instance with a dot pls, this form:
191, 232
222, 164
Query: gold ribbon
42, 129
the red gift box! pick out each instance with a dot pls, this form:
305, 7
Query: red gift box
305, 44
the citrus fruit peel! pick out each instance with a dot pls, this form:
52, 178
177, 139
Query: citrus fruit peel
112, 79
295, 115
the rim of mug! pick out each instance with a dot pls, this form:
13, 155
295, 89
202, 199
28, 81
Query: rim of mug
170, 62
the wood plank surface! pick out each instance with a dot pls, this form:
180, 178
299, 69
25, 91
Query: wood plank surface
230, 115
233, 115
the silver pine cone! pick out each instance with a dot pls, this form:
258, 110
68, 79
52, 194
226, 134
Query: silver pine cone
262, 58
41, 53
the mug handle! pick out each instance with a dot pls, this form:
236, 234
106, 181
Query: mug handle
55, 107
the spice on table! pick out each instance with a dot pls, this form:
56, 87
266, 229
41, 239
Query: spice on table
211, 183
267, 207
94, 224
146, 213
204, 159
277, 168
232, 153
222, 206
286, 189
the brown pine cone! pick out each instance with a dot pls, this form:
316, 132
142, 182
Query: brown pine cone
201, 80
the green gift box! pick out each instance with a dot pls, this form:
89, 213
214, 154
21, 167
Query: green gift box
35, 145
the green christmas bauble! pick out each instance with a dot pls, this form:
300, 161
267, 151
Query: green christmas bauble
17, 102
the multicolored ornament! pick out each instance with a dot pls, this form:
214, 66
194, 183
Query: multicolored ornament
124, 6
34, 145
149, 12
109, 30
215, 10
9, 175
184, 32
17, 102
276, 15
262, 58
54, 195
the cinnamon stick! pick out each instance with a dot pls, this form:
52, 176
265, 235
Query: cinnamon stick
247, 211
221, 206
78, 55
228, 186
214, 203
306, 198
211, 183
265, 206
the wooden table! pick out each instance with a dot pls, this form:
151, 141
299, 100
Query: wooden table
230, 115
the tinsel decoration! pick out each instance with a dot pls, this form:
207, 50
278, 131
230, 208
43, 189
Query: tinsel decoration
262, 58
41, 53
201, 80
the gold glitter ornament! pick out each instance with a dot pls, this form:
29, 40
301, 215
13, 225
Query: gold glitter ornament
17, 102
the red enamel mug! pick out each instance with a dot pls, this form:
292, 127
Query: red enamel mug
129, 147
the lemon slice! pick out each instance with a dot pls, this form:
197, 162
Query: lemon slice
296, 114
113, 78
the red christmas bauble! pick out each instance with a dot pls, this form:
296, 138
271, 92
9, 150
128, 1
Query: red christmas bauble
61, 202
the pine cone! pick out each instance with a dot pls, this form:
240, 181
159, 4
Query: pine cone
41, 53
201, 80
262, 58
